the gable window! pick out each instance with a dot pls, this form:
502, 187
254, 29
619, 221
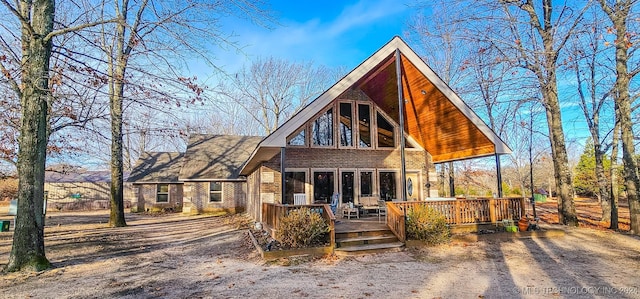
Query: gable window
298, 139
386, 136
162, 193
364, 125
322, 129
215, 191
346, 123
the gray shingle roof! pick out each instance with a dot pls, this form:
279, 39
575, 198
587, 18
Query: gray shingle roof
157, 167
217, 156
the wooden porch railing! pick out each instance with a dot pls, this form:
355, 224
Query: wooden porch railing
458, 211
272, 214
395, 221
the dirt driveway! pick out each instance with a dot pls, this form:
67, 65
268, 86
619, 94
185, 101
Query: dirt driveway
175, 256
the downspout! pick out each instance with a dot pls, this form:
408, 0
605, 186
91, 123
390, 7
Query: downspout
282, 175
499, 175
401, 123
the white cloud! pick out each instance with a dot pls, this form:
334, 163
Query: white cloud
344, 38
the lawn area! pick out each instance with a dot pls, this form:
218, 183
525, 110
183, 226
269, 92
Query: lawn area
176, 256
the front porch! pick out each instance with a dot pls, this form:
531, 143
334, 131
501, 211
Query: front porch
368, 233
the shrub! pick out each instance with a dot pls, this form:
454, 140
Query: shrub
302, 228
428, 225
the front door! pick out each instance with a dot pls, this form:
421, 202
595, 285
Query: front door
413, 186
322, 186
347, 186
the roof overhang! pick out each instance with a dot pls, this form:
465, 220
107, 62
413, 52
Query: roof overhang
434, 115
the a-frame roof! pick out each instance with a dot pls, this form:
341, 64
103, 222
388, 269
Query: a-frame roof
434, 115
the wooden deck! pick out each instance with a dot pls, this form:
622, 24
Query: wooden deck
364, 231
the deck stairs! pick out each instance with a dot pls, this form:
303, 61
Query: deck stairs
366, 237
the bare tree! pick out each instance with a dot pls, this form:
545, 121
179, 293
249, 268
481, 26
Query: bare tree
143, 52
594, 92
271, 89
31, 84
620, 14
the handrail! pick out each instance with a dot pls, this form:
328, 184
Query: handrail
396, 221
273, 213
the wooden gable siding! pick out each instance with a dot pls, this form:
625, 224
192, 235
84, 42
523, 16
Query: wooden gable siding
430, 118
438, 125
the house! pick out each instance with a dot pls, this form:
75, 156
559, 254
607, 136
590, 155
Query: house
206, 178
211, 172
155, 182
355, 139
376, 134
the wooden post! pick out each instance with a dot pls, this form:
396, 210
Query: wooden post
499, 175
457, 211
403, 173
492, 210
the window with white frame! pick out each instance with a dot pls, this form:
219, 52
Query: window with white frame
215, 191
364, 125
298, 139
322, 129
366, 183
162, 193
346, 125
386, 134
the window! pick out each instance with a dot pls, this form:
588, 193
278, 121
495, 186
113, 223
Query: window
364, 125
407, 143
366, 183
387, 185
294, 183
162, 193
298, 139
215, 191
322, 129
346, 123
322, 186
386, 136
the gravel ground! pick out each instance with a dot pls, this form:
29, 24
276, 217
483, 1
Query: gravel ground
175, 256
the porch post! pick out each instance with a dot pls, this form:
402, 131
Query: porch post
282, 175
401, 123
499, 175
452, 187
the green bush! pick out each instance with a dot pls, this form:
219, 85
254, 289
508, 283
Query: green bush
428, 225
302, 228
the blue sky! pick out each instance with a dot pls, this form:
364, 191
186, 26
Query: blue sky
330, 33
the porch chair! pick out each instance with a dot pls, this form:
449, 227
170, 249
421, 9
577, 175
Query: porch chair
335, 200
299, 199
382, 210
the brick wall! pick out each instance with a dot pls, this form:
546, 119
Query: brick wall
147, 199
234, 198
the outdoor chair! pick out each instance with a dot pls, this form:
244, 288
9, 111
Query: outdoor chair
335, 200
299, 199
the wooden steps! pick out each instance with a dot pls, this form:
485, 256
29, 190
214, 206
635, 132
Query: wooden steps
366, 240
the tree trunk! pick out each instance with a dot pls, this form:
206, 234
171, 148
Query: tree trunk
116, 96
613, 192
603, 185
623, 109
562, 171
27, 252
